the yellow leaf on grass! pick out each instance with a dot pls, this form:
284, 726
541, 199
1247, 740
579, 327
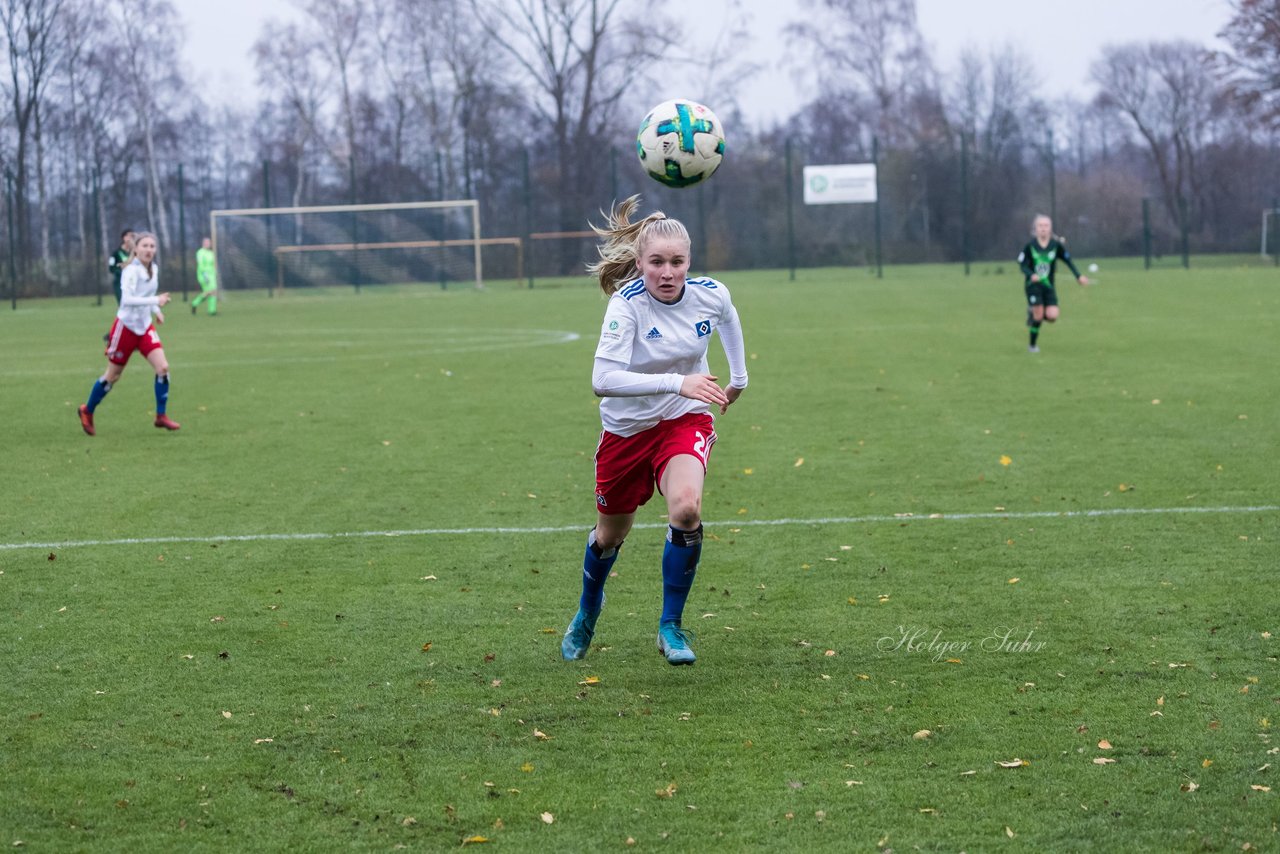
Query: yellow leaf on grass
748, 471
1206, 763
924, 733
1008, 831
540, 735
853, 601
547, 818
1103, 760
475, 840
799, 462
829, 653
1012, 763
527, 767
1189, 786
1104, 745
1014, 580
666, 792
426, 647
1261, 788
1005, 459
590, 680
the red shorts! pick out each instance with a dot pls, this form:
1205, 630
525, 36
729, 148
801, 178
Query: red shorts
628, 468
122, 341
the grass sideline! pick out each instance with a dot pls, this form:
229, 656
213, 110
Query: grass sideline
378, 691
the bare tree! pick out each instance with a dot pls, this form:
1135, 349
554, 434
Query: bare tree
31, 34
994, 104
339, 34
148, 35
1166, 93
288, 66
872, 47
1253, 67
579, 57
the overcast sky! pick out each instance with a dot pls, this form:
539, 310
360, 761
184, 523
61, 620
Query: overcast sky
1063, 37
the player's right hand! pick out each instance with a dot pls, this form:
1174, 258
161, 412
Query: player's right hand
703, 387
163, 299
1034, 278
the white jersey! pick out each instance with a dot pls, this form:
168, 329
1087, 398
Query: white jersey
647, 347
138, 300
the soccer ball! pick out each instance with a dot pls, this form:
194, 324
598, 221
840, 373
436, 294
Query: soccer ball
680, 143
1093, 268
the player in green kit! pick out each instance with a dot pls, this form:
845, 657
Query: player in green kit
1038, 260
117, 260
207, 276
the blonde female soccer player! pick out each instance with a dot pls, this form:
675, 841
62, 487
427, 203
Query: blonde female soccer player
133, 330
1038, 260
651, 371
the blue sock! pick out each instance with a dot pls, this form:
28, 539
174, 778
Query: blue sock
596, 564
679, 564
99, 391
162, 394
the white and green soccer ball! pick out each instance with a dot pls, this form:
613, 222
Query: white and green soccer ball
680, 143
1093, 268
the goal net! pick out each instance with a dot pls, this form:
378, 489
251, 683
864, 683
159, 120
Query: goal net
359, 245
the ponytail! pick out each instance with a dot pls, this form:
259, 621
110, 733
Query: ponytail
624, 241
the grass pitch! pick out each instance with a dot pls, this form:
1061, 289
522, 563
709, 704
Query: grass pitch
954, 595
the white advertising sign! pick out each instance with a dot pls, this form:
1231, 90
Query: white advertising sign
840, 184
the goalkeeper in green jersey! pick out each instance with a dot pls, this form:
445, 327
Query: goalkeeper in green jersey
207, 276
1038, 260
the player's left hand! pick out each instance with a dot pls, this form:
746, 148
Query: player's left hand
1083, 280
159, 317
733, 394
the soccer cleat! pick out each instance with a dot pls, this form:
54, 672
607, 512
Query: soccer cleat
577, 638
86, 419
166, 422
1033, 349
673, 642
193, 309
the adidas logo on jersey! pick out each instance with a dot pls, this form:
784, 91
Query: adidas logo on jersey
653, 334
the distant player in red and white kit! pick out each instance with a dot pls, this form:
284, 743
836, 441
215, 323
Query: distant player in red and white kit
651, 370
133, 330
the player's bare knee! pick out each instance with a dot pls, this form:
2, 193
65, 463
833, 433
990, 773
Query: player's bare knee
685, 510
607, 539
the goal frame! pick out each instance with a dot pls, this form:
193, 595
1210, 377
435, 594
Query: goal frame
1267, 214
472, 204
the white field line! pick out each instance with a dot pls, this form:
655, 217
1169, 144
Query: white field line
341, 351
585, 525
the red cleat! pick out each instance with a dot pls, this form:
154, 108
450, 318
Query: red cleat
86, 419
166, 422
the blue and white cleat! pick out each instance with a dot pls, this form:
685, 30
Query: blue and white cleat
673, 642
577, 638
